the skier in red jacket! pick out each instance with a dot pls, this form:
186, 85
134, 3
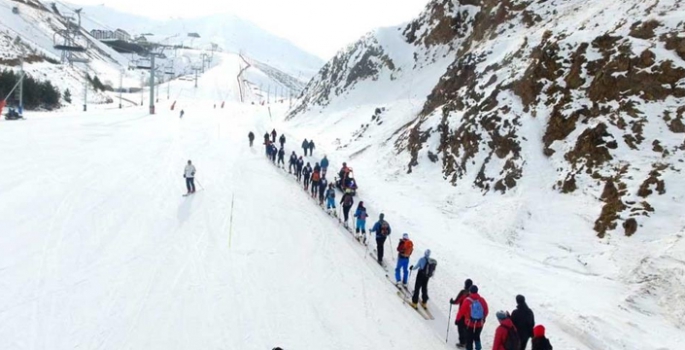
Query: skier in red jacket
474, 311
504, 331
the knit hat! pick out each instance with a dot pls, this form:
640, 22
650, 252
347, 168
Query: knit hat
473, 289
520, 299
468, 283
405, 236
381, 216
501, 315
539, 331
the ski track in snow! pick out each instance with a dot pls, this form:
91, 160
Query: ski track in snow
100, 251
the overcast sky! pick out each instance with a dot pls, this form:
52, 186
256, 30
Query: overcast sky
318, 26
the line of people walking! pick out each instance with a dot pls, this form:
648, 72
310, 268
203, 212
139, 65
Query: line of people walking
515, 329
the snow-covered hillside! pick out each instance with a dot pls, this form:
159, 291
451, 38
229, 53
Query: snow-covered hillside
549, 132
31, 30
230, 32
99, 250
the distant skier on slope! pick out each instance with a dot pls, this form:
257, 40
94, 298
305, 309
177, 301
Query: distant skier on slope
404, 249
273, 136
316, 177
250, 137
324, 165
323, 184
524, 320
282, 140
281, 154
425, 268
274, 153
266, 138
300, 165
305, 146
506, 335
330, 198
540, 342
182, 113
311, 147
307, 172
292, 164
382, 230
361, 215
459, 322
189, 175
474, 310
347, 201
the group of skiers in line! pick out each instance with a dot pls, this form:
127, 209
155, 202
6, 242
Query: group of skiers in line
514, 331
314, 181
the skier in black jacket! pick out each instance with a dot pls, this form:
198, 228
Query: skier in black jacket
461, 325
281, 154
292, 163
300, 165
282, 140
524, 320
307, 172
250, 136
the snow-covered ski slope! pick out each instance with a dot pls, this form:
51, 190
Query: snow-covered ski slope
99, 250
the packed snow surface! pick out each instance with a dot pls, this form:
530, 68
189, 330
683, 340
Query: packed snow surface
99, 250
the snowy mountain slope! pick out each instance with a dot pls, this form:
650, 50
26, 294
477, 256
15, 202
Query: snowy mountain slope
232, 33
99, 249
561, 119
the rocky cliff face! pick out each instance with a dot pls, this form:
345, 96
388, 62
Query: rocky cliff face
596, 90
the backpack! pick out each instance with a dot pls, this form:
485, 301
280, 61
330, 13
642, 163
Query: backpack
385, 228
430, 267
477, 313
406, 247
348, 200
315, 176
513, 341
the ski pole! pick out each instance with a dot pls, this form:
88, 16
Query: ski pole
448, 324
199, 184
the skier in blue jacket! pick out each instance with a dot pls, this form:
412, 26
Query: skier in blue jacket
324, 165
361, 216
382, 230
330, 198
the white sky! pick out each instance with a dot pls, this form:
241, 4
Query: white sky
318, 26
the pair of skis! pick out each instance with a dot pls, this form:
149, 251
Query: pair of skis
405, 294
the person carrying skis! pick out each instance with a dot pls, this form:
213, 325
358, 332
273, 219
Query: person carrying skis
540, 342
273, 136
316, 177
292, 163
361, 216
300, 165
305, 146
524, 320
425, 268
382, 230
330, 198
311, 147
404, 249
282, 140
189, 175
459, 322
506, 335
474, 310
307, 172
347, 201
250, 136
323, 184
281, 154
324, 165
